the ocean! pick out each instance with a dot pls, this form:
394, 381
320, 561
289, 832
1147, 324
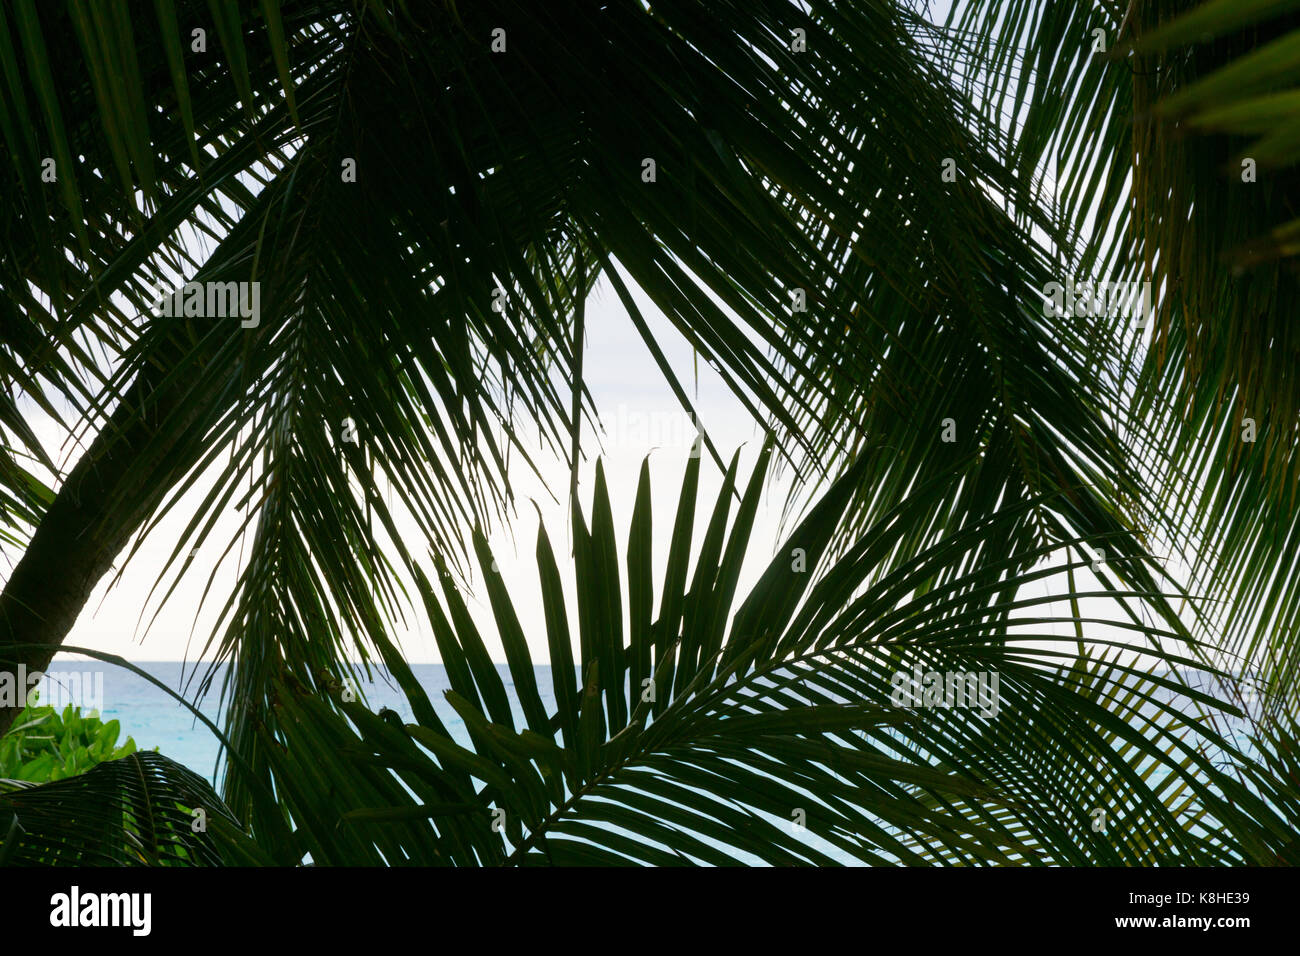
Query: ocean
153, 719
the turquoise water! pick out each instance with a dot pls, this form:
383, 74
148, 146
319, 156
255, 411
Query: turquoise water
154, 719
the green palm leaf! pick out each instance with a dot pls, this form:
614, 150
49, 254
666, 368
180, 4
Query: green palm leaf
139, 810
706, 734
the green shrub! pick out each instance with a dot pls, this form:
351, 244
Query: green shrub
43, 745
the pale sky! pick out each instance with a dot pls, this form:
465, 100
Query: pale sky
639, 414
640, 417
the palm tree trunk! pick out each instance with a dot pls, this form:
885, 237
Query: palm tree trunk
85, 527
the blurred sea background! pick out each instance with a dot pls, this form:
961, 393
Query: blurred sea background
154, 719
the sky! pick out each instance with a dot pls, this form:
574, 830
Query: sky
640, 417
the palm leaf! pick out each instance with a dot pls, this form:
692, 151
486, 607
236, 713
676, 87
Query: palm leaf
786, 717
139, 810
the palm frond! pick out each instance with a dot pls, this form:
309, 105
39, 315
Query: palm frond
139, 810
1143, 122
767, 729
